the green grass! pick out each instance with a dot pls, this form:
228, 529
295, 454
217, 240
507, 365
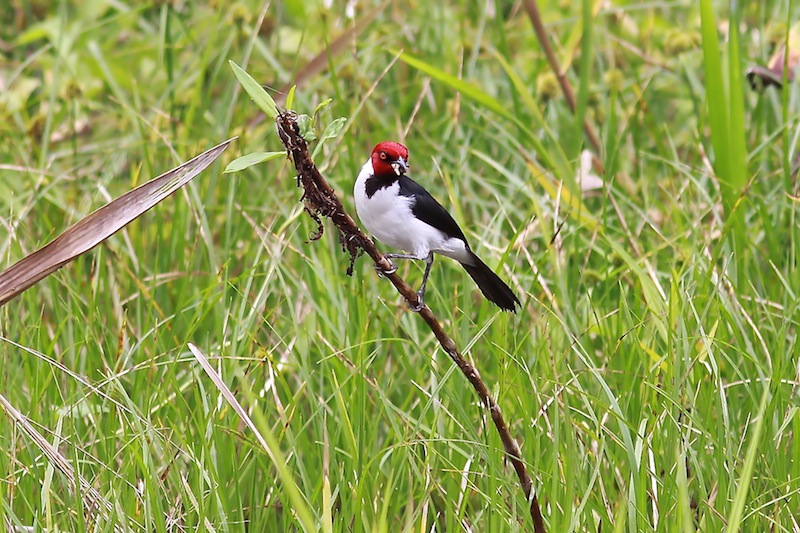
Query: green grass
651, 378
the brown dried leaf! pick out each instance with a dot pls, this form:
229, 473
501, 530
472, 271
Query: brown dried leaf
100, 225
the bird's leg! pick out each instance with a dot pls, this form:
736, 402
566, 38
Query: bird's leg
383, 273
421, 292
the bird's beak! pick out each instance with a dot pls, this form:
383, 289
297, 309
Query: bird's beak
400, 166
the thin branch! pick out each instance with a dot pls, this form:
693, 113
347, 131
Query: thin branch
321, 201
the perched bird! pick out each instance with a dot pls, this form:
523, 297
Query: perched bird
403, 215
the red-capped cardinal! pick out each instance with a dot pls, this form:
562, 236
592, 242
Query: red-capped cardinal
403, 215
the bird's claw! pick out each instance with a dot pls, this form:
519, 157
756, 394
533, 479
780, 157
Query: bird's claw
420, 304
383, 273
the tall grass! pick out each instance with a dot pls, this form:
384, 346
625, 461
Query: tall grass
651, 377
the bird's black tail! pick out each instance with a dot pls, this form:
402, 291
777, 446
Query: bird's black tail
490, 284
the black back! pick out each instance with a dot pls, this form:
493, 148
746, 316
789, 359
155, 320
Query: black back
428, 210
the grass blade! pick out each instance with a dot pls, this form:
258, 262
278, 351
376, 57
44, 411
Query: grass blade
473, 92
93, 498
737, 143
735, 518
259, 96
265, 438
716, 96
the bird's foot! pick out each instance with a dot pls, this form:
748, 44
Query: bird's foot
418, 307
383, 273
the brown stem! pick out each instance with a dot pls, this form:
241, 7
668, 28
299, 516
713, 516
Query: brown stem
541, 34
321, 200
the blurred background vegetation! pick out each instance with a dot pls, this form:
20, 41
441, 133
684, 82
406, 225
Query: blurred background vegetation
651, 377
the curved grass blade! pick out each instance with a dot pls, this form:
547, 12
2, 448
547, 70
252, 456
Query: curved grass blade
745, 480
481, 98
561, 163
260, 97
92, 497
467, 89
247, 161
331, 132
100, 225
290, 97
266, 439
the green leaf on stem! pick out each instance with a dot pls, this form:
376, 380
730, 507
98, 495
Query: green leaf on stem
331, 132
247, 161
261, 98
305, 125
290, 97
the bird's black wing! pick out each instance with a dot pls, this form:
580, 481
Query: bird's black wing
428, 210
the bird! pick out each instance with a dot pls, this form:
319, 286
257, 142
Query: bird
401, 214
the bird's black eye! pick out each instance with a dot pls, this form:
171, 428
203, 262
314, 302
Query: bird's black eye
383, 156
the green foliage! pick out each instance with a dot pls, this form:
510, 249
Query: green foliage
651, 377
726, 122
247, 161
260, 97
